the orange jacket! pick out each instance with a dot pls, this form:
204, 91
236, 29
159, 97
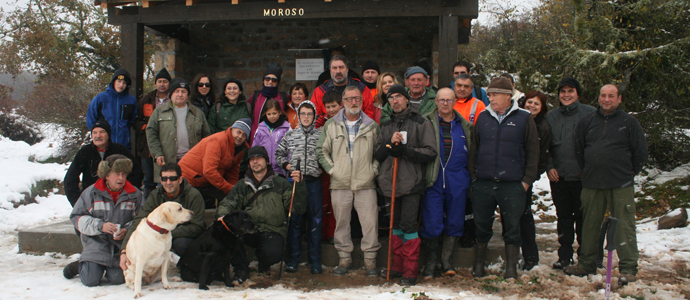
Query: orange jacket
292, 117
464, 107
213, 161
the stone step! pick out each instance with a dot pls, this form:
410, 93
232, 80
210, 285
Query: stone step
61, 238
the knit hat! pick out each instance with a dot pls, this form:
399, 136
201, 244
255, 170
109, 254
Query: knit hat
163, 73
114, 163
414, 70
569, 81
275, 69
233, 80
258, 151
121, 74
178, 83
397, 88
500, 85
102, 124
244, 124
371, 65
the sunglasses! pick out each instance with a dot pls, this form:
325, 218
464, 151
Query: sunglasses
203, 84
171, 178
272, 79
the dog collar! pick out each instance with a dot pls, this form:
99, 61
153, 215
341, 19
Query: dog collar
156, 228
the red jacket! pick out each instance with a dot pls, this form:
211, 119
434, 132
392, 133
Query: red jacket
317, 99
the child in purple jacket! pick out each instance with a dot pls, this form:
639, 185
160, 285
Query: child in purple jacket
272, 127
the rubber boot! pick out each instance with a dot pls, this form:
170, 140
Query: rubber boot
449, 243
345, 263
370, 263
431, 249
512, 253
480, 251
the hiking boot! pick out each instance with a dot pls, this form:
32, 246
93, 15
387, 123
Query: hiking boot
394, 274
562, 264
528, 265
512, 253
241, 275
480, 251
71, 270
345, 263
316, 269
370, 263
290, 269
626, 278
576, 271
407, 281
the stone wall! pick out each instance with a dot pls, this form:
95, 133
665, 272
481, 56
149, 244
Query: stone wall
242, 49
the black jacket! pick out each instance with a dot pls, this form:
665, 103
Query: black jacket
86, 162
544, 130
611, 149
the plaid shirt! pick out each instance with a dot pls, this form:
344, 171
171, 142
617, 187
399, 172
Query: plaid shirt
352, 131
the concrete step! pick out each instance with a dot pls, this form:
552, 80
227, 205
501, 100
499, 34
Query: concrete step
61, 238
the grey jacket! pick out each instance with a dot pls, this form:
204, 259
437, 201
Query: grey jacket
563, 121
93, 209
300, 144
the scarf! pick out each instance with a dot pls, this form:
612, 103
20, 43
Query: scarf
370, 85
274, 125
269, 91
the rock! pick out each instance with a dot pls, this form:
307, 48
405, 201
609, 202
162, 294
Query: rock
674, 220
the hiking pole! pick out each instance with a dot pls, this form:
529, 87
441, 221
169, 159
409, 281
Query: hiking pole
610, 228
390, 229
292, 198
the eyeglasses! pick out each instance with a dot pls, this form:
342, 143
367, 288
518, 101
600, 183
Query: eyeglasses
171, 178
396, 97
203, 84
271, 79
445, 101
352, 99
306, 114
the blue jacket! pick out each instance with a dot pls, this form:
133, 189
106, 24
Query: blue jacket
118, 109
455, 170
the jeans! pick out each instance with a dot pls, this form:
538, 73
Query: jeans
314, 226
566, 198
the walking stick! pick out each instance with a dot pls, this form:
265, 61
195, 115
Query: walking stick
390, 229
292, 198
609, 228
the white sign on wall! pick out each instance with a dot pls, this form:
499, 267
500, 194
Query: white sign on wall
308, 68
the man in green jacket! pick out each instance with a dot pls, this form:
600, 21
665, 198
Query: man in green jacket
268, 199
174, 188
422, 98
175, 127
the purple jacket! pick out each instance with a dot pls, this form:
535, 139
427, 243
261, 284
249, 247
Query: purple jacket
270, 139
258, 100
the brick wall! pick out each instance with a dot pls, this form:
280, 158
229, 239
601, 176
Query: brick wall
242, 49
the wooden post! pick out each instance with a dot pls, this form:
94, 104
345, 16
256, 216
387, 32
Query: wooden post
447, 48
132, 55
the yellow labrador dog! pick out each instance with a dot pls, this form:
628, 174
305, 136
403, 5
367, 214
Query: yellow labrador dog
148, 247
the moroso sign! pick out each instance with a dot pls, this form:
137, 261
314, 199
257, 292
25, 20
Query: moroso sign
283, 12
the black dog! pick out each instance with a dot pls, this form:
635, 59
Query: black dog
208, 257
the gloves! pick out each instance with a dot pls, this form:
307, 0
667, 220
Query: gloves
397, 150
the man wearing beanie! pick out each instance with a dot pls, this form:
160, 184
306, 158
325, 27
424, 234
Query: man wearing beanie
422, 98
213, 165
103, 215
338, 82
175, 127
267, 198
408, 138
563, 170
85, 162
269, 90
116, 106
370, 74
503, 159
145, 107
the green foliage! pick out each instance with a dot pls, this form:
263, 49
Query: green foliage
655, 201
640, 45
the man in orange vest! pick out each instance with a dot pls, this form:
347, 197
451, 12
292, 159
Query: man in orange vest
468, 106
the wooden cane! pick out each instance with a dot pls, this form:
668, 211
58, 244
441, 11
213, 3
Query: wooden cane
390, 230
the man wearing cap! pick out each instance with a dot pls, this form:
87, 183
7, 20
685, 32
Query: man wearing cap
269, 90
338, 82
145, 107
408, 138
463, 67
85, 162
563, 170
267, 198
175, 127
102, 215
345, 152
502, 162
611, 149
213, 165
421, 97
116, 106
370, 74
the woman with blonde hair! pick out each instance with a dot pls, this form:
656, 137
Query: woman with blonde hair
385, 81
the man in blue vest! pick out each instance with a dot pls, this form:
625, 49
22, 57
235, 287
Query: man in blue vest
503, 164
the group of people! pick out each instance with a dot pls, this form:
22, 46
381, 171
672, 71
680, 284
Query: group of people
445, 159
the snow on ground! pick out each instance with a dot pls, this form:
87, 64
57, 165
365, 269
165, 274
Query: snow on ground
38, 277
